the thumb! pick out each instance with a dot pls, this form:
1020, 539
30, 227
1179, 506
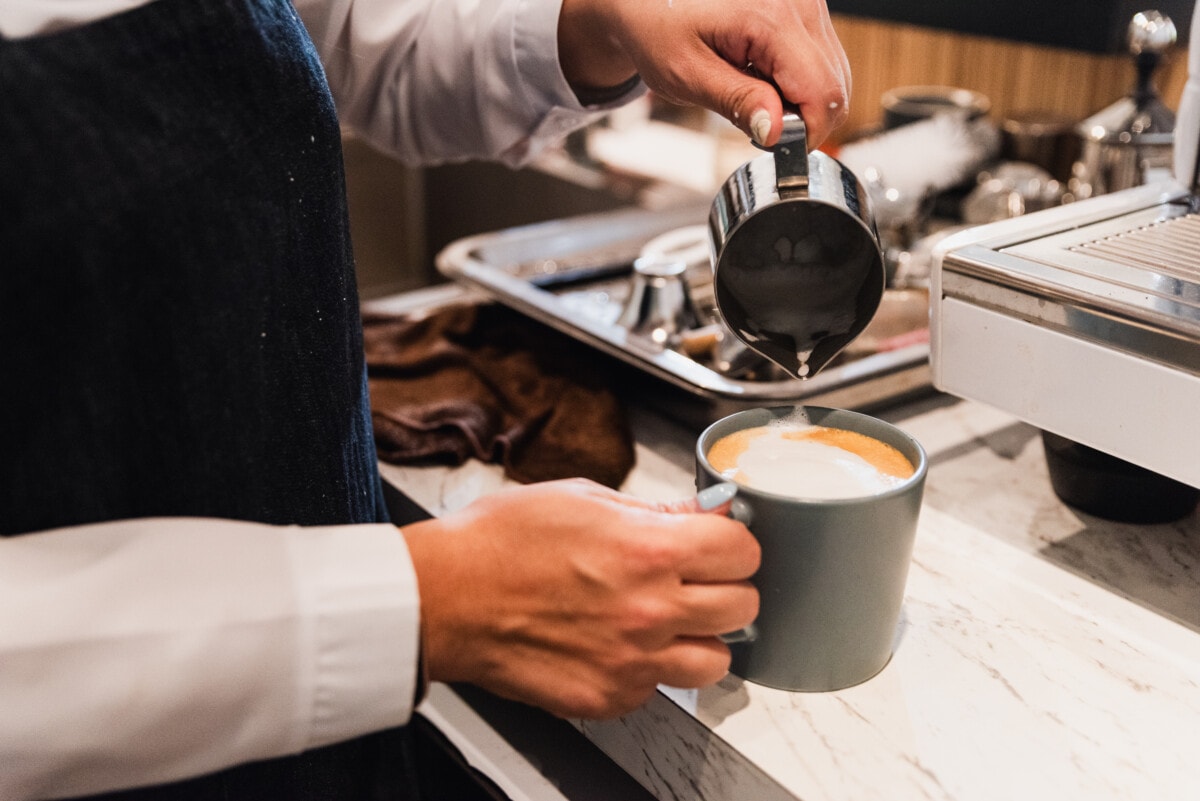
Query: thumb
750, 103
754, 102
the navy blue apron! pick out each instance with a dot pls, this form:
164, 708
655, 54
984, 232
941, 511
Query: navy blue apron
179, 328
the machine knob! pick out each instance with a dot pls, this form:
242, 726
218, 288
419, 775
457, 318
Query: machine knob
1151, 32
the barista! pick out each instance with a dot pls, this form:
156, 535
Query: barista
199, 593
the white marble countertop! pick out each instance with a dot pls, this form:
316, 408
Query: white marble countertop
1042, 653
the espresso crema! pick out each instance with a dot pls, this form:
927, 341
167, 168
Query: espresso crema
806, 461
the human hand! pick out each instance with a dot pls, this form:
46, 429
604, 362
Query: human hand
697, 52
578, 599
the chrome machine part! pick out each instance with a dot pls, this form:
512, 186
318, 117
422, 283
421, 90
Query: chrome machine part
659, 305
1130, 143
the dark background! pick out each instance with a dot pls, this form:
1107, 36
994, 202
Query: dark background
1097, 26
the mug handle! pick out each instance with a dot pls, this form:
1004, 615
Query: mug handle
711, 498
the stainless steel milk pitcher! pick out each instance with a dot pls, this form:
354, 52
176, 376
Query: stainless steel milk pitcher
797, 267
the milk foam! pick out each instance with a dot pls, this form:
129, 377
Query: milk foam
806, 468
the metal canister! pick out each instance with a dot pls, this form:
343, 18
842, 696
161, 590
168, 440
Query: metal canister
1131, 142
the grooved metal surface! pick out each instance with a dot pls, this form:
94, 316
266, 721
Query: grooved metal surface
1170, 246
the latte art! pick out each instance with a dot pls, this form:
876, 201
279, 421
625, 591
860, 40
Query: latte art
809, 461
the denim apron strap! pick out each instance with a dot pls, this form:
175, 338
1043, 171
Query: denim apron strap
178, 311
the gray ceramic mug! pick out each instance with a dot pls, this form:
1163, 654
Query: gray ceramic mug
833, 571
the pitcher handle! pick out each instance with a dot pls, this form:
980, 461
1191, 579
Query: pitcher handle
791, 154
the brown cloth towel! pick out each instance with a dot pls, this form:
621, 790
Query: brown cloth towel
484, 381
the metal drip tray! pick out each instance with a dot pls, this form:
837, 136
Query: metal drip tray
1125, 276
1170, 247
1149, 260
574, 275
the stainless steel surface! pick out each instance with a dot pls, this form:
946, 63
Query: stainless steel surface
1168, 245
1131, 282
659, 305
1109, 164
512, 267
798, 270
1130, 142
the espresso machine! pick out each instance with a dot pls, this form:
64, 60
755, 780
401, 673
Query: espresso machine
1084, 320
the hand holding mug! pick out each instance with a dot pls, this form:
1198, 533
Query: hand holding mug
579, 599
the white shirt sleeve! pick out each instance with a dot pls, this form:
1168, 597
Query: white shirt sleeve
448, 80
139, 652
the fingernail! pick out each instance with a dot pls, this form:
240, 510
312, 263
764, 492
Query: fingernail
714, 496
748, 634
760, 125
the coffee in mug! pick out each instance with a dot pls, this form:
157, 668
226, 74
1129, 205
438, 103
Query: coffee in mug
801, 460
835, 511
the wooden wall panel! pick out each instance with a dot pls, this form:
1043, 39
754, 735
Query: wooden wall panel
1016, 77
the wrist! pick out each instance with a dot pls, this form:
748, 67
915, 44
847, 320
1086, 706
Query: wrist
438, 556
590, 57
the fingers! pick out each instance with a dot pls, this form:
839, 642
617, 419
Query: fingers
809, 66
791, 44
835, 46
591, 692
714, 557
746, 100
757, 108
693, 662
712, 548
709, 610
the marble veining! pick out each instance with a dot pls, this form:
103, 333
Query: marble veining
1042, 653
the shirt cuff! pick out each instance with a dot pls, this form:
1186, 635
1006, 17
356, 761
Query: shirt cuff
360, 633
535, 44
539, 76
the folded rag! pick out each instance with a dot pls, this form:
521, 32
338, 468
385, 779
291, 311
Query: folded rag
483, 381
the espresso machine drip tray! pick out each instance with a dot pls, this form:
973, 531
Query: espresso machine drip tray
1083, 320
1168, 247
